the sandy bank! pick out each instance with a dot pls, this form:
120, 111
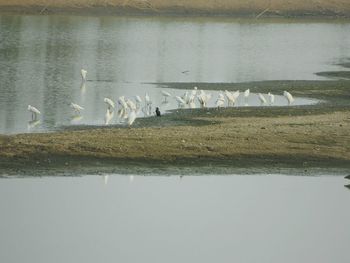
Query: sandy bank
253, 8
265, 138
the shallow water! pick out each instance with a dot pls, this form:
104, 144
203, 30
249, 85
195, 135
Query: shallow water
41, 58
168, 219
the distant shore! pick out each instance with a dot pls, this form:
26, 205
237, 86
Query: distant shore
254, 9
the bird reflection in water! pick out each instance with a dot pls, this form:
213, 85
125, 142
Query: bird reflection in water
76, 119
32, 124
105, 179
165, 102
83, 88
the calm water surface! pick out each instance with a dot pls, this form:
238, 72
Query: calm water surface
41, 58
168, 219
161, 219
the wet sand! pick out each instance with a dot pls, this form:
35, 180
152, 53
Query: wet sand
248, 138
254, 8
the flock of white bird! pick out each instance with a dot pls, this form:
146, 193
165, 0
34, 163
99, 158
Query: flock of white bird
128, 108
188, 99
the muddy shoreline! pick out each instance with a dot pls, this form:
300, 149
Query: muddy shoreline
298, 139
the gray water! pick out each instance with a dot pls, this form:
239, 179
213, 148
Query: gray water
41, 58
154, 218
168, 219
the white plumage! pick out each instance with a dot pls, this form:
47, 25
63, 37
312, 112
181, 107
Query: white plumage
122, 102
180, 101
262, 98
138, 99
166, 94
147, 100
271, 97
246, 93
220, 102
131, 105
108, 116
77, 108
230, 98
32, 124
109, 102
83, 73
185, 97
235, 94
34, 111
194, 91
288, 96
132, 118
203, 98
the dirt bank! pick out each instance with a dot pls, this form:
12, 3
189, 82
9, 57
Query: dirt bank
256, 138
253, 8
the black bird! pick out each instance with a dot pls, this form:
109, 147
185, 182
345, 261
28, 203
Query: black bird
158, 112
347, 177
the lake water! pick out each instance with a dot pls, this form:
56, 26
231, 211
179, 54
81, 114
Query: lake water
172, 219
120, 218
41, 58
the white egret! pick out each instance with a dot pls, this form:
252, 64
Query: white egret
185, 97
109, 103
138, 99
191, 99
132, 118
194, 91
262, 99
147, 110
230, 98
166, 95
192, 105
34, 111
122, 102
109, 116
289, 97
271, 97
131, 104
246, 93
180, 101
147, 100
83, 73
77, 108
122, 114
220, 102
203, 98
235, 94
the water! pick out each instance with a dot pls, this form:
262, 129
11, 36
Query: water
168, 219
162, 219
41, 58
